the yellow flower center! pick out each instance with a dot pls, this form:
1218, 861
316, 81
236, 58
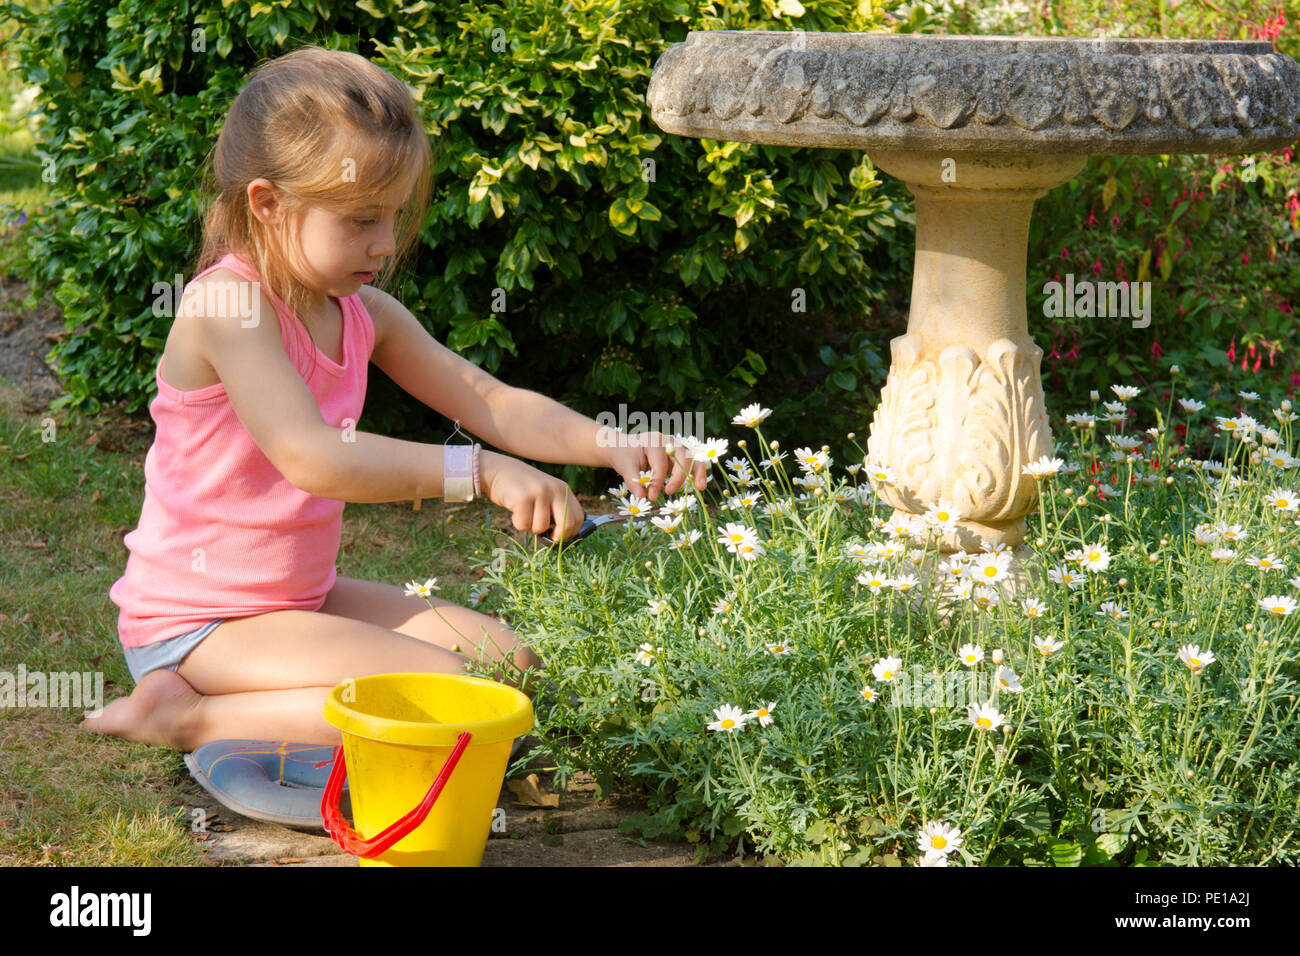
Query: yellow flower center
1281, 502
728, 724
762, 712
970, 658
991, 572
1194, 661
938, 842
1278, 609
943, 516
984, 722
887, 675
779, 649
1094, 555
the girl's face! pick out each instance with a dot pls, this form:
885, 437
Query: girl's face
339, 251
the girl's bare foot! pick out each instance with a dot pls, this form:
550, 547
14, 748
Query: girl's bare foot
160, 710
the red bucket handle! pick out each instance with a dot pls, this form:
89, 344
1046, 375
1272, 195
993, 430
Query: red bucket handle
352, 841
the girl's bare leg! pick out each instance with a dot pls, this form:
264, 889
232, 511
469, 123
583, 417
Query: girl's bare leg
267, 676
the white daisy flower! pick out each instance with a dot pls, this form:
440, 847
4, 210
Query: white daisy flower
1063, 575
1082, 420
1195, 658
635, 507
730, 718
1047, 646
1034, 607
686, 540
904, 582
425, 590
857, 551
1095, 557
1008, 680
970, 654
668, 525
942, 515
678, 506
1123, 442
1249, 396
985, 717
1112, 610
1284, 500
874, 579
762, 714
1126, 392
878, 472
1043, 467
887, 668
735, 534
1278, 605
985, 596
1191, 404
1231, 532
933, 858
658, 605
751, 416
868, 693
1267, 563
955, 566
779, 649
813, 462
1222, 555
709, 451
938, 837
1116, 408
990, 568
645, 655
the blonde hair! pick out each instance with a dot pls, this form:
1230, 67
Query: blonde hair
327, 128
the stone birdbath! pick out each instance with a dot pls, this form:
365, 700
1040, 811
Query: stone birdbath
978, 128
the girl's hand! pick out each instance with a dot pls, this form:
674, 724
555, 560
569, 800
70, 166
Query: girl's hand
643, 451
536, 500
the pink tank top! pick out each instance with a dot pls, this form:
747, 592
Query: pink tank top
222, 533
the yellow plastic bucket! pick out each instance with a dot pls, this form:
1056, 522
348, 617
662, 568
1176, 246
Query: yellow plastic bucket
437, 743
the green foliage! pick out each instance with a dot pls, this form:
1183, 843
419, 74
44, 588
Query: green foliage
1214, 236
571, 247
1114, 751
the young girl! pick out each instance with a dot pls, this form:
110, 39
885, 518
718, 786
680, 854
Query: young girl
233, 619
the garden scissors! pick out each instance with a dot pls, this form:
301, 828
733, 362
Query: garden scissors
589, 525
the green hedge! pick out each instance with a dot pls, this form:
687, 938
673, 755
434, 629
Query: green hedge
673, 294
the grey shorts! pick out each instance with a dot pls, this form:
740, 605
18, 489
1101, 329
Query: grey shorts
168, 653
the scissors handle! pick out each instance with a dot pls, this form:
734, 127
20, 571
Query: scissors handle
588, 526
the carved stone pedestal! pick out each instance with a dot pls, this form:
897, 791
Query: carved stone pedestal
962, 411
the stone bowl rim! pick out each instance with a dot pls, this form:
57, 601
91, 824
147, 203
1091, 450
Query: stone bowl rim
1095, 45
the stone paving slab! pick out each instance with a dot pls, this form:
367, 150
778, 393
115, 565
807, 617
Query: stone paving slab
581, 832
